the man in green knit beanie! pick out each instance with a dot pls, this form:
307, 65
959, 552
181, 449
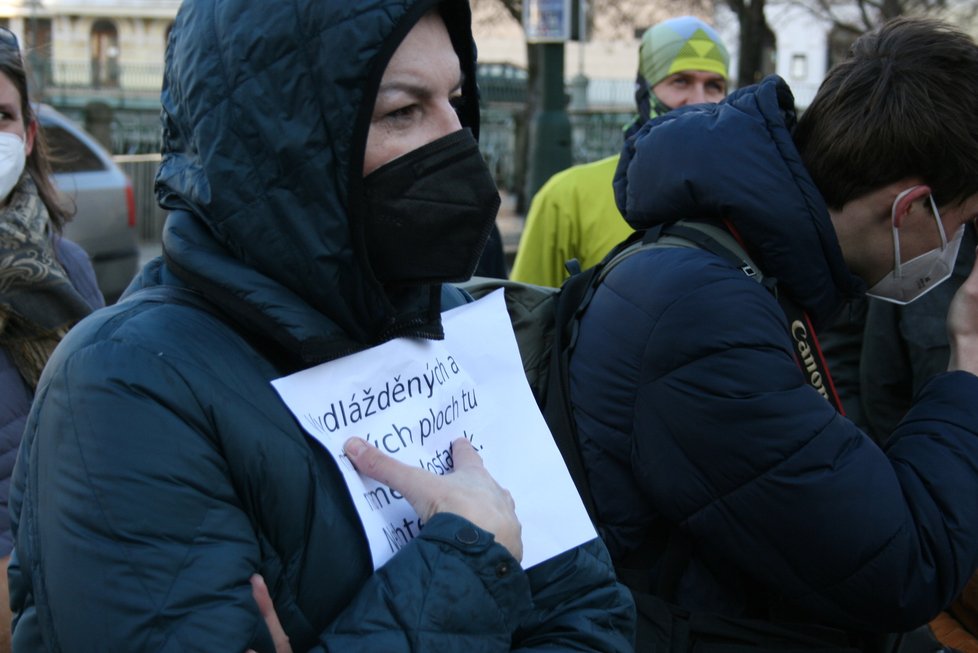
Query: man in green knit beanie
683, 61
574, 216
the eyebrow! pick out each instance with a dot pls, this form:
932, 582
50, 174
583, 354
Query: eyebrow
416, 90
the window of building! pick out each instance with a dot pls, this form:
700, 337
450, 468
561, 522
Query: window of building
799, 66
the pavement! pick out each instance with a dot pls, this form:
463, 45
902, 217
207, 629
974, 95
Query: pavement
509, 221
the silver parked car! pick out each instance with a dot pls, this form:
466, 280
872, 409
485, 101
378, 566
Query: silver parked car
104, 224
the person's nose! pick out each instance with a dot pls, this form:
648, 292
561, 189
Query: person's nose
447, 121
697, 95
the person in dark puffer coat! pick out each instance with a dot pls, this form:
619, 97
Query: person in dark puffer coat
47, 282
694, 415
165, 499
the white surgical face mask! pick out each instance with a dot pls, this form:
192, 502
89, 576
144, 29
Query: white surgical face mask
909, 281
12, 159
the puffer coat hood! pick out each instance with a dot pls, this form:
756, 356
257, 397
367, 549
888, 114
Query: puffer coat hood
262, 157
736, 161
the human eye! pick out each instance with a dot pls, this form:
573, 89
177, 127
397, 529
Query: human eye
401, 114
715, 91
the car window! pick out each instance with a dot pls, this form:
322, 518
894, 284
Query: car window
67, 153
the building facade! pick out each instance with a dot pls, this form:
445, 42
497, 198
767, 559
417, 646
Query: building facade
97, 60
807, 44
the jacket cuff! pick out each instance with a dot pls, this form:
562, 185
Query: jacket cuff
499, 571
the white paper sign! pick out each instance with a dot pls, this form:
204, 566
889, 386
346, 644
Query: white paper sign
411, 398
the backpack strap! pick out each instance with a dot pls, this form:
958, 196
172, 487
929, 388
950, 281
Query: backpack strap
720, 242
575, 293
808, 352
573, 300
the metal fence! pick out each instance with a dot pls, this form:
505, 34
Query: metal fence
94, 74
73, 85
141, 169
497, 140
594, 135
136, 132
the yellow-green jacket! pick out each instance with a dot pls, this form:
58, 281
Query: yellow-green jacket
573, 215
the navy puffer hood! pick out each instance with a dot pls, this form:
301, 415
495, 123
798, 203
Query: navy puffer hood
736, 161
266, 108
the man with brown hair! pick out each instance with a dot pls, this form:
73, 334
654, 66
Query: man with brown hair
702, 429
681, 61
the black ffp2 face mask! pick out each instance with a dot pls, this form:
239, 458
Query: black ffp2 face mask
429, 213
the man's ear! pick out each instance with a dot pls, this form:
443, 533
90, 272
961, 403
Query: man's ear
905, 203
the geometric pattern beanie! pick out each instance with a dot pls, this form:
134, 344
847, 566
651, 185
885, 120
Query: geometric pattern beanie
677, 44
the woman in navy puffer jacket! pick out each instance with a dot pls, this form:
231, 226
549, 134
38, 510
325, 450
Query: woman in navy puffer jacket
160, 470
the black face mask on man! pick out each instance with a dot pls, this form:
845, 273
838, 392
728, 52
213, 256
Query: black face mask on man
429, 213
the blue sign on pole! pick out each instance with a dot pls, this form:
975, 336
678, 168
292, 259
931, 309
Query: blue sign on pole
547, 21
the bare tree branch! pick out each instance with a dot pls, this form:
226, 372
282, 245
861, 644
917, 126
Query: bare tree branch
872, 13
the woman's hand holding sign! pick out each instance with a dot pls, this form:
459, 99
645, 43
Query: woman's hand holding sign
468, 491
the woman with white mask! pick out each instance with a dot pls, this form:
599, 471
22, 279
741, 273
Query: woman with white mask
46, 282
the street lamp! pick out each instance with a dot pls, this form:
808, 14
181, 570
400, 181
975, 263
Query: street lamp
548, 25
